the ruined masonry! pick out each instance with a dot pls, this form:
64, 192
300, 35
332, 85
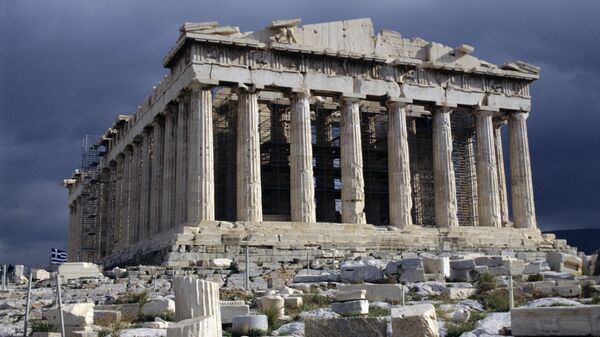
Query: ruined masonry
311, 138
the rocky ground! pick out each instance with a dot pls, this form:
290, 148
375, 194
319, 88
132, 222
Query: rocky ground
468, 293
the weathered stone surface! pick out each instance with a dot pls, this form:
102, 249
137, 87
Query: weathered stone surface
74, 270
412, 263
39, 275
351, 295
462, 275
561, 262
197, 298
414, 321
107, 316
412, 276
244, 324
536, 267
230, 309
459, 293
345, 327
272, 302
360, 271
490, 261
462, 264
221, 263
158, 306
195, 327
357, 307
293, 302
377, 292
556, 321
78, 314
436, 264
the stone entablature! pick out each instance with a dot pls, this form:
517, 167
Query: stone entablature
158, 172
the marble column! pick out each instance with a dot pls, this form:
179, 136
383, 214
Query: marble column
248, 183
302, 187
444, 182
133, 224
144, 186
201, 178
501, 173
120, 205
353, 183
168, 185
488, 201
520, 172
181, 164
126, 198
158, 138
400, 191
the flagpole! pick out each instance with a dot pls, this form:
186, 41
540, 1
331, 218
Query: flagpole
28, 304
62, 318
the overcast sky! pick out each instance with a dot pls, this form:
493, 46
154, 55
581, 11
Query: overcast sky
67, 68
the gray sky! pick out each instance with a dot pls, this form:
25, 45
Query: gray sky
67, 68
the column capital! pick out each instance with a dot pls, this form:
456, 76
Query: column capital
300, 93
203, 84
351, 97
518, 115
400, 102
499, 122
485, 110
242, 88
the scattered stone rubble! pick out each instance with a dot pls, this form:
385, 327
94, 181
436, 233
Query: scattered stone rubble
350, 295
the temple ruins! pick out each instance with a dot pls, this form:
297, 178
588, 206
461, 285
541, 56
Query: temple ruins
310, 138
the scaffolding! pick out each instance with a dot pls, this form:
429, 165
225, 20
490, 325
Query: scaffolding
89, 229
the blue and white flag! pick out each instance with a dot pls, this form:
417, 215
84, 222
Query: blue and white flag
58, 256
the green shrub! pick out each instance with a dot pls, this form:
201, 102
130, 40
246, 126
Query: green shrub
457, 329
273, 314
375, 311
38, 325
535, 278
113, 328
596, 299
132, 297
496, 301
487, 282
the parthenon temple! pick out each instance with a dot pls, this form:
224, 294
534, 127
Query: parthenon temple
303, 137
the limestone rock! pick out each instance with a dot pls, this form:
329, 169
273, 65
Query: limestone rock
39, 275
75, 270
221, 263
158, 306
360, 272
293, 302
412, 275
244, 324
561, 262
436, 264
377, 292
346, 327
272, 302
459, 293
103, 317
351, 295
197, 298
556, 321
230, 309
414, 321
78, 314
195, 327
358, 307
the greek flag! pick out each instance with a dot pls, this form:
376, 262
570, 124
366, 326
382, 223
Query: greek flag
58, 256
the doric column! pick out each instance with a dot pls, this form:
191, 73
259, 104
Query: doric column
126, 198
112, 207
353, 183
400, 191
520, 172
201, 178
501, 173
248, 183
120, 204
488, 201
168, 186
181, 164
134, 192
144, 186
444, 182
158, 139
302, 187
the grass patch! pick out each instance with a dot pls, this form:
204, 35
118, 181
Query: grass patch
375, 311
168, 315
535, 278
309, 302
487, 282
273, 314
113, 328
557, 304
457, 329
39, 325
132, 297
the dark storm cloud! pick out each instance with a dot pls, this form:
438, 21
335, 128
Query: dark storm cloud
69, 67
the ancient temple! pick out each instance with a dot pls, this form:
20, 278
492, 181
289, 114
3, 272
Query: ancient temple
314, 137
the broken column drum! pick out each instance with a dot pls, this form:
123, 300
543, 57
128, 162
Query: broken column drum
254, 128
